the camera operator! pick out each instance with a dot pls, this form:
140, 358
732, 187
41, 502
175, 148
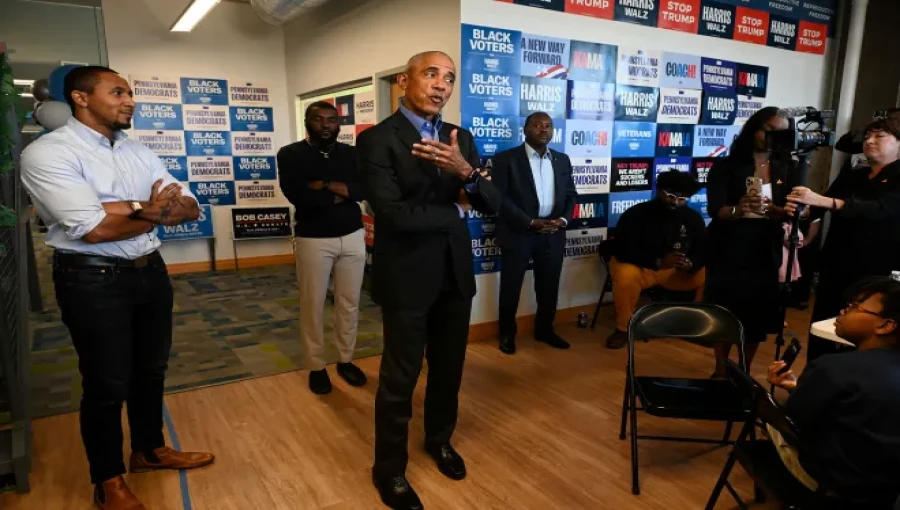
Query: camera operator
845, 406
746, 234
864, 237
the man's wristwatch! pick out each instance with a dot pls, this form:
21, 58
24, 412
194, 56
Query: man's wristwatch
136, 209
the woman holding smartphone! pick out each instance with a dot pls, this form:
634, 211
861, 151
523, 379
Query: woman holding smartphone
864, 236
747, 193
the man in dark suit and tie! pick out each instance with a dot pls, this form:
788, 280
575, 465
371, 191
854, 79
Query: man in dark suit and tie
421, 175
539, 199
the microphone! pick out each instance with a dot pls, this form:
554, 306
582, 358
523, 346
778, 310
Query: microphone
795, 111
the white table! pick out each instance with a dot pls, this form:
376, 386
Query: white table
825, 329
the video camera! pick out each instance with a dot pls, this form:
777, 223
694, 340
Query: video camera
805, 134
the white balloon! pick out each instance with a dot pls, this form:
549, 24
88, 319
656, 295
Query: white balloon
52, 114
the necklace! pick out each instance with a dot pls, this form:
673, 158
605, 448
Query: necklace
325, 154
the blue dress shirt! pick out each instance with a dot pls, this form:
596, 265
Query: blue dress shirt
72, 171
544, 179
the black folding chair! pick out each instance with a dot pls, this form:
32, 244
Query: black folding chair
760, 458
697, 399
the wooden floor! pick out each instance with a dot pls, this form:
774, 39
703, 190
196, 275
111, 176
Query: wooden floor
538, 430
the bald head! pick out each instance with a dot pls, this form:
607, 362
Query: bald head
418, 58
427, 83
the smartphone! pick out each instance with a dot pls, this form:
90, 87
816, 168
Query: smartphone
754, 189
790, 355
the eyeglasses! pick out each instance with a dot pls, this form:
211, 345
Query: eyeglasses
675, 198
855, 307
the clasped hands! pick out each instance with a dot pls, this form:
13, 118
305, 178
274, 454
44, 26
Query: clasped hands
338, 189
675, 260
542, 226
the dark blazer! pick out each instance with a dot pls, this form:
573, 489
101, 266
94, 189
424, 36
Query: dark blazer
418, 231
512, 176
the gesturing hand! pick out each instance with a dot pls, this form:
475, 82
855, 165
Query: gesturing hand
446, 157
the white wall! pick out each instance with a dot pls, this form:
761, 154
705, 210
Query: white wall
231, 43
348, 40
795, 79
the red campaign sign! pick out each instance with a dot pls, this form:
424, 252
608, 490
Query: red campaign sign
369, 224
811, 37
681, 15
752, 26
603, 9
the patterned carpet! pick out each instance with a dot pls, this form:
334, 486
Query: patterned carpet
228, 326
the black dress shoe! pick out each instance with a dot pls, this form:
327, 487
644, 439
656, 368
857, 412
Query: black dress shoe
508, 344
351, 373
396, 493
319, 382
617, 340
448, 461
553, 340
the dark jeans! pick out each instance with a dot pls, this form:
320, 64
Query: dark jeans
438, 332
546, 250
120, 320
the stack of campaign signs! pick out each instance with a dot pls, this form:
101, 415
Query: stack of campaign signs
623, 115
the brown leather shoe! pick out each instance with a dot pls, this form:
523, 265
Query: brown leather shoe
116, 496
169, 459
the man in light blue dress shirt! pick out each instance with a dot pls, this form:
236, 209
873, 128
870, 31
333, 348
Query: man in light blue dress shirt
539, 199
101, 196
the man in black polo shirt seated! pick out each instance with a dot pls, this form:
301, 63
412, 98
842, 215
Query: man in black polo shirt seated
659, 242
319, 177
847, 406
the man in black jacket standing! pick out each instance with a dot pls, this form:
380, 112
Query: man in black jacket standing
420, 176
318, 176
659, 242
539, 199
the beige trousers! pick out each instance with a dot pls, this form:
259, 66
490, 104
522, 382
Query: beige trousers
317, 259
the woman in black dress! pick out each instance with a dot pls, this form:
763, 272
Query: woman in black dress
864, 236
746, 233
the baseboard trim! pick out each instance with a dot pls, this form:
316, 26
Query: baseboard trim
228, 264
490, 331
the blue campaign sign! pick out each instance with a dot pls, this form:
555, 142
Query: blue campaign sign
718, 74
557, 143
678, 164
752, 80
717, 20
588, 138
214, 193
680, 71
714, 141
177, 166
492, 50
698, 203
158, 116
544, 57
719, 108
491, 93
641, 12
590, 212
592, 62
255, 168
252, 118
621, 202
783, 32
674, 140
820, 11
634, 140
543, 95
636, 104
485, 252
208, 143
204, 91
492, 133
590, 100
202, 228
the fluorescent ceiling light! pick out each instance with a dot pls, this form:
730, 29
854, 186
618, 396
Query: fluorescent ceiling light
193, 14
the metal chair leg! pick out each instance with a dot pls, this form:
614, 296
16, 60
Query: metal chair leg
625, 406
736, 497
635, 483
721, 482
600, 302
727, 436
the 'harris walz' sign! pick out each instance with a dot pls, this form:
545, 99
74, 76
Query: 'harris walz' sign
257, 222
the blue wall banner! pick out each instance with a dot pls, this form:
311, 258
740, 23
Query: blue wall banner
545, 57
592, 62
206, 118
698, 203
719, 108
208, 143
680, 71
621, 202
717, 20
591, 175
177, 166
201, 228
631, 174
254, 168
783, 32
718, 74
258, 118
640, 12
491, 50
485, 252
714, 141
636, 104
557, 143
590, 212
590, 100
214, 193
492, 133
679, 164
638, 67
543, 95
634, 140
588, 138
674, 140
204, 91
752, 80
158, 116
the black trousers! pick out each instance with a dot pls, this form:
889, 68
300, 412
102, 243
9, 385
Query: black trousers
547, 251
120, 321
438, 332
